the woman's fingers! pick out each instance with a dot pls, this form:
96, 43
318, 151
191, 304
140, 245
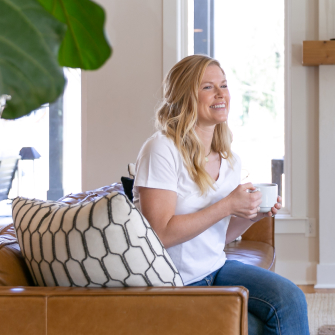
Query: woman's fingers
270, 213
247, 186
245, 204
274, 209
278, 205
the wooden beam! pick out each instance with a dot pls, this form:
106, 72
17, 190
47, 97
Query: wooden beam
318, 53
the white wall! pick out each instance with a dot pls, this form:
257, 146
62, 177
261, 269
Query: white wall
119, 102
326, 266
120, 98
297, 254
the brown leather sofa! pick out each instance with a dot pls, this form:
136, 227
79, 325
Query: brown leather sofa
27, 309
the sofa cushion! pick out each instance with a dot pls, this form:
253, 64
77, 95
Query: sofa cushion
252, 252
101, 243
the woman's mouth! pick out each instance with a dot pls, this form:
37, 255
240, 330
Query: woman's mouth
223, 105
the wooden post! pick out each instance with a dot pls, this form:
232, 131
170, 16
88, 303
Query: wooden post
318, 53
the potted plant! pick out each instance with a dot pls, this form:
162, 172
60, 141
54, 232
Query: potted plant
37, 39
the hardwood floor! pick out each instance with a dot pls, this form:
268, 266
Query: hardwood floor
311, 289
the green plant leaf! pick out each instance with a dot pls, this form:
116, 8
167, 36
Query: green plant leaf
29, 42
85, 45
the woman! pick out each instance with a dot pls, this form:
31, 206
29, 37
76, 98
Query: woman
188, 187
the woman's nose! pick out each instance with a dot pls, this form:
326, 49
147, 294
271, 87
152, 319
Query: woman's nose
219, 92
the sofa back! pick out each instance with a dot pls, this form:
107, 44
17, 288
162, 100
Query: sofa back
13, 269
88, 196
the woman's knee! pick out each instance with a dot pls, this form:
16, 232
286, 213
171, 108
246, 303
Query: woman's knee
292, 297
282, 293
298, 298
292, 291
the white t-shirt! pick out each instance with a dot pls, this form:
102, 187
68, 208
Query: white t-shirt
160, 165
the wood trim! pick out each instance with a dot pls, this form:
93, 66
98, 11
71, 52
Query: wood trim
288, 167
318, 53
175, 32
311, 289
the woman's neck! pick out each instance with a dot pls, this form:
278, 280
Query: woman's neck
206, 136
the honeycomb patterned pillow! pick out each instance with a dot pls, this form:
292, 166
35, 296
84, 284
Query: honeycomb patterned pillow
103, 243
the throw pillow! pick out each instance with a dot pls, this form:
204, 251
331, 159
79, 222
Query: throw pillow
102, 243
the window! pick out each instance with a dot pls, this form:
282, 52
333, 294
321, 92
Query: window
55, 132
248, 40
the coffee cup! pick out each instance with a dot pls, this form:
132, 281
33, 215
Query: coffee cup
269, 196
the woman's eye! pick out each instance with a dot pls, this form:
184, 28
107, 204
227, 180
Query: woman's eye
224, 86
207, 87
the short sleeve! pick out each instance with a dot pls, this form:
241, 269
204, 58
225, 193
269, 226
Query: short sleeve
156, 165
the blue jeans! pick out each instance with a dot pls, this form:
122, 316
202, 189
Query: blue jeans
275, 306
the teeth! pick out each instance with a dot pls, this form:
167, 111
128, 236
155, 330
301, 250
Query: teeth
218, 106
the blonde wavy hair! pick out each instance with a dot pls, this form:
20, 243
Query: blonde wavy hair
177, 116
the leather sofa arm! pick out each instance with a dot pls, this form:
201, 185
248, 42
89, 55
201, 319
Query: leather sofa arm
262, 231
134, 310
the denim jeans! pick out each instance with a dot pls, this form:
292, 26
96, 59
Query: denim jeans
275, 306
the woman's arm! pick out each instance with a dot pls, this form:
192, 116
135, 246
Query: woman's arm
158, 206
237, 225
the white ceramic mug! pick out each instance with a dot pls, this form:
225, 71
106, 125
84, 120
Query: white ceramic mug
269, 196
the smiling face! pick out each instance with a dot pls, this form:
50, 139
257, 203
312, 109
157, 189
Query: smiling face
213, 98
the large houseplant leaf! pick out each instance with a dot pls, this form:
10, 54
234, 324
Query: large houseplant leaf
29, 42
84, 45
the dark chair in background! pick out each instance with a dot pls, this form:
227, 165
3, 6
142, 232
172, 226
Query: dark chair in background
277, 170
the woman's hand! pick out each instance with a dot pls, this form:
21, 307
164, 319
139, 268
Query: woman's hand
238, 225
277, 206
243, 203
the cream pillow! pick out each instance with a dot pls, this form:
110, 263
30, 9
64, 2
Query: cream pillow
103, 243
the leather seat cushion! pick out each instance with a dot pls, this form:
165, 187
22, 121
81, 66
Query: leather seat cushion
252, 252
